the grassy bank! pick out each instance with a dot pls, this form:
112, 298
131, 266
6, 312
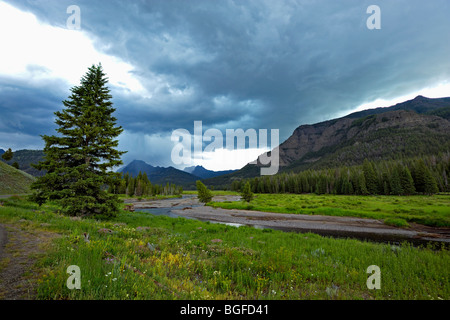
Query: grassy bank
13, 181
427, 210
140, 256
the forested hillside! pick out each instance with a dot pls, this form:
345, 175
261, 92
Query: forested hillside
420, 175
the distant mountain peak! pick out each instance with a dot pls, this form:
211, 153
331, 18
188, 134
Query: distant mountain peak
189, 169
204, 173
138, 162
192, 168
159, 175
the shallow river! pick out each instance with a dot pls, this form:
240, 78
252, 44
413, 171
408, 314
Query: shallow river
182, 208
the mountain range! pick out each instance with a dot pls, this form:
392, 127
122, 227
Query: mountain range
203, 173
163, 175
420, 126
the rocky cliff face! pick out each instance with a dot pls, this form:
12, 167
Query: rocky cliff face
312, 138
403, 129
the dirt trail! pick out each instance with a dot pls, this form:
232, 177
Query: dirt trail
19, 248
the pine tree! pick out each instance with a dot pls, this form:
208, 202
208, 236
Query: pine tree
430, 183
385, 188
423, 179
203, 193
131, 188
370, 177
406, 181
122, 187
419, 176
362, 188
395, 182
78, 161
386, 182
139, 187
247, 193
8, 155
445, 180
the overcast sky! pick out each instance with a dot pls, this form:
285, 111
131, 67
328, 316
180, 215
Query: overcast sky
230, 64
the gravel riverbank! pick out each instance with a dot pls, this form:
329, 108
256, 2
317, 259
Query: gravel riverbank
361, 228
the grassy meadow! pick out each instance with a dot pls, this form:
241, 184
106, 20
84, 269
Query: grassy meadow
398, 210
140, 256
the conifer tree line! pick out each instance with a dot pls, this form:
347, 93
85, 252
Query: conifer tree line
141, 186
421, 175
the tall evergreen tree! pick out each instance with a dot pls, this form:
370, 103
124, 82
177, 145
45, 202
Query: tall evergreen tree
370, 177
131, 188
430, 183
423, 179
362, 188
78, 161
406, 180
386, 183
247, 193
395, 182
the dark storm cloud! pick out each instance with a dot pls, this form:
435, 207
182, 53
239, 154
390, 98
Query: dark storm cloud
257, 64
27, 109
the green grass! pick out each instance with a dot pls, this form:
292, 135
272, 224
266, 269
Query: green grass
396, 222
426, 210
157, 257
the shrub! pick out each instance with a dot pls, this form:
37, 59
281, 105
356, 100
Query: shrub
247, 193
396, 222
204, 194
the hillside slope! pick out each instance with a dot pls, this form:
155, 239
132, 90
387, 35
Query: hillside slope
389, 135
25, 158
401, 130
416, 127
13, 181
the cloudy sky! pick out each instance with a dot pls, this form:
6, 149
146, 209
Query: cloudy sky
260, 64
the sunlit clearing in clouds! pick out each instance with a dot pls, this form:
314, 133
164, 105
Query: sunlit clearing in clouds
38, 51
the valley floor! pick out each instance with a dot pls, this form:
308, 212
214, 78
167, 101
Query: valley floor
337, 226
